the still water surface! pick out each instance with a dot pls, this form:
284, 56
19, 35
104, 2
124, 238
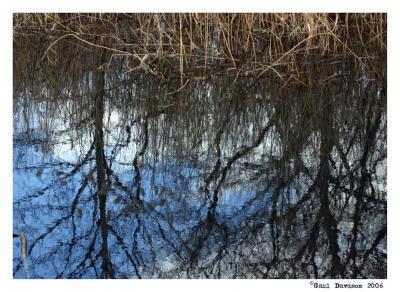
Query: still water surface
224, 177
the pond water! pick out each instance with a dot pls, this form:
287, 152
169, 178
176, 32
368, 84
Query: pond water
220, 177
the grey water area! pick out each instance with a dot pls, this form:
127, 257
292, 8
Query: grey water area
222, 178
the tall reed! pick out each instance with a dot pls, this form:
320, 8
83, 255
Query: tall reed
190, 44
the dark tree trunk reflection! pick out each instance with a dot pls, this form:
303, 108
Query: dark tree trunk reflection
102, 185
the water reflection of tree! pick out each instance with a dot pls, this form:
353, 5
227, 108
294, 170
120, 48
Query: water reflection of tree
310, 162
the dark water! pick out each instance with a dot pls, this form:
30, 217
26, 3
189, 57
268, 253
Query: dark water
226, 177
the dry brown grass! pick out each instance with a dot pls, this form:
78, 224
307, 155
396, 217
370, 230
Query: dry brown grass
192, 44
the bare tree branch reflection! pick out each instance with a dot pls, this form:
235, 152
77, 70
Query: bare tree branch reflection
129, 176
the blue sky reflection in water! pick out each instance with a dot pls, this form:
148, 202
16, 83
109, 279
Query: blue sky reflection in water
125, 176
